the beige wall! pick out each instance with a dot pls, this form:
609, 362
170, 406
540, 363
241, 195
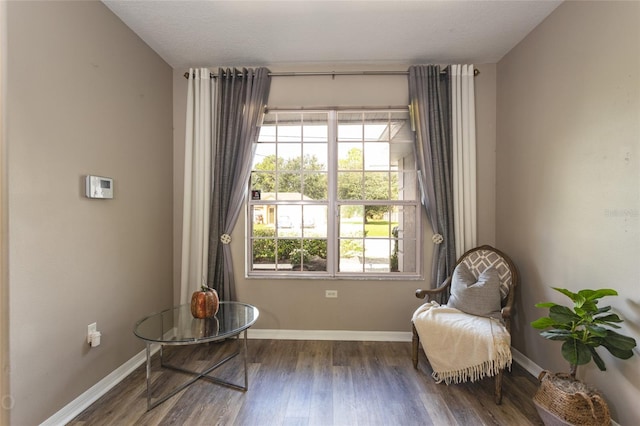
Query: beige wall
568, 176
84, 96
361, 305
485, 85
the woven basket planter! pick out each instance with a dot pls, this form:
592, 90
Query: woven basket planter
562, 400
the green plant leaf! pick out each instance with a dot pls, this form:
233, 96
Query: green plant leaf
597, 330
602, 310
618, 353
580, 312
619, 345
580, 300
619, 341
545, 305
558, 335
590, 306
608, 324
597, 294
593, 341
608, 318
596, 358
562, 314
587, 293
576, 352
571, 295
543, 322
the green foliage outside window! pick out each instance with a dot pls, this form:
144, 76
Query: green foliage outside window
264, 248
353, 185
291, 178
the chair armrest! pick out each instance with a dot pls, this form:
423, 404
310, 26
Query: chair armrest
432, 293
506, 312
508, 307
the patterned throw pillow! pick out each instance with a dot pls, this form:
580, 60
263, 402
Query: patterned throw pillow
475, 296
480, 260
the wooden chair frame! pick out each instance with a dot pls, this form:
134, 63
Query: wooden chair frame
506, 311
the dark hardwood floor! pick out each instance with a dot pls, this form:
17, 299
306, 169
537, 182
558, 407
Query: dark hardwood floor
293, 382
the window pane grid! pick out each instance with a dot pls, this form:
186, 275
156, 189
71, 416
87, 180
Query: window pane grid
291, 221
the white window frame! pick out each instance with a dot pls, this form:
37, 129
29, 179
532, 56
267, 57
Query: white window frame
332, 238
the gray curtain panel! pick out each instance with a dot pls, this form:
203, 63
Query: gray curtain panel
242, 96
429, 94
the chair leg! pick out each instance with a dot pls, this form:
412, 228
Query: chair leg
498, 392
415, 342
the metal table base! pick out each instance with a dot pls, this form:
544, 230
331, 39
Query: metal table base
198, 375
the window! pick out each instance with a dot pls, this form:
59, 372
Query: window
334, 194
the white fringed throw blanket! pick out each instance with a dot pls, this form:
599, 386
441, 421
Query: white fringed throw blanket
475, 347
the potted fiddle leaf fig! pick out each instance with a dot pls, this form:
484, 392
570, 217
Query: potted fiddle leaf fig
582, 328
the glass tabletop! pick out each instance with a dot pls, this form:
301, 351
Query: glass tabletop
177, 326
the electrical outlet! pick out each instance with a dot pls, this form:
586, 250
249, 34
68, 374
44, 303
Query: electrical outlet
333, 294
91, 328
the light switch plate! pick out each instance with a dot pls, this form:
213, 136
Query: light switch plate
91, 328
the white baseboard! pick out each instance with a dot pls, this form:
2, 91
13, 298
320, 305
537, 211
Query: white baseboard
524, 362
338, 335
91, 395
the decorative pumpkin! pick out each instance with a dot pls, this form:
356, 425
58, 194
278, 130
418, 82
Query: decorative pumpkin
204, 303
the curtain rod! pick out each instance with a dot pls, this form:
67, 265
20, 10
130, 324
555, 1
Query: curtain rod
338, 108
333, 73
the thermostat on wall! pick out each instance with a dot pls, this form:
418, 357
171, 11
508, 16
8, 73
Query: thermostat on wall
99, 187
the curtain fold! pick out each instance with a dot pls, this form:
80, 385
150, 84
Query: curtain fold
241, 98
429, 95
463, 119
197, 182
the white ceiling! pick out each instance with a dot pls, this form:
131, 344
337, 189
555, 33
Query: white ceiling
253, 33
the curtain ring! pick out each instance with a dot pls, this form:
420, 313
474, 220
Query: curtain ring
437, 239
225, 238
